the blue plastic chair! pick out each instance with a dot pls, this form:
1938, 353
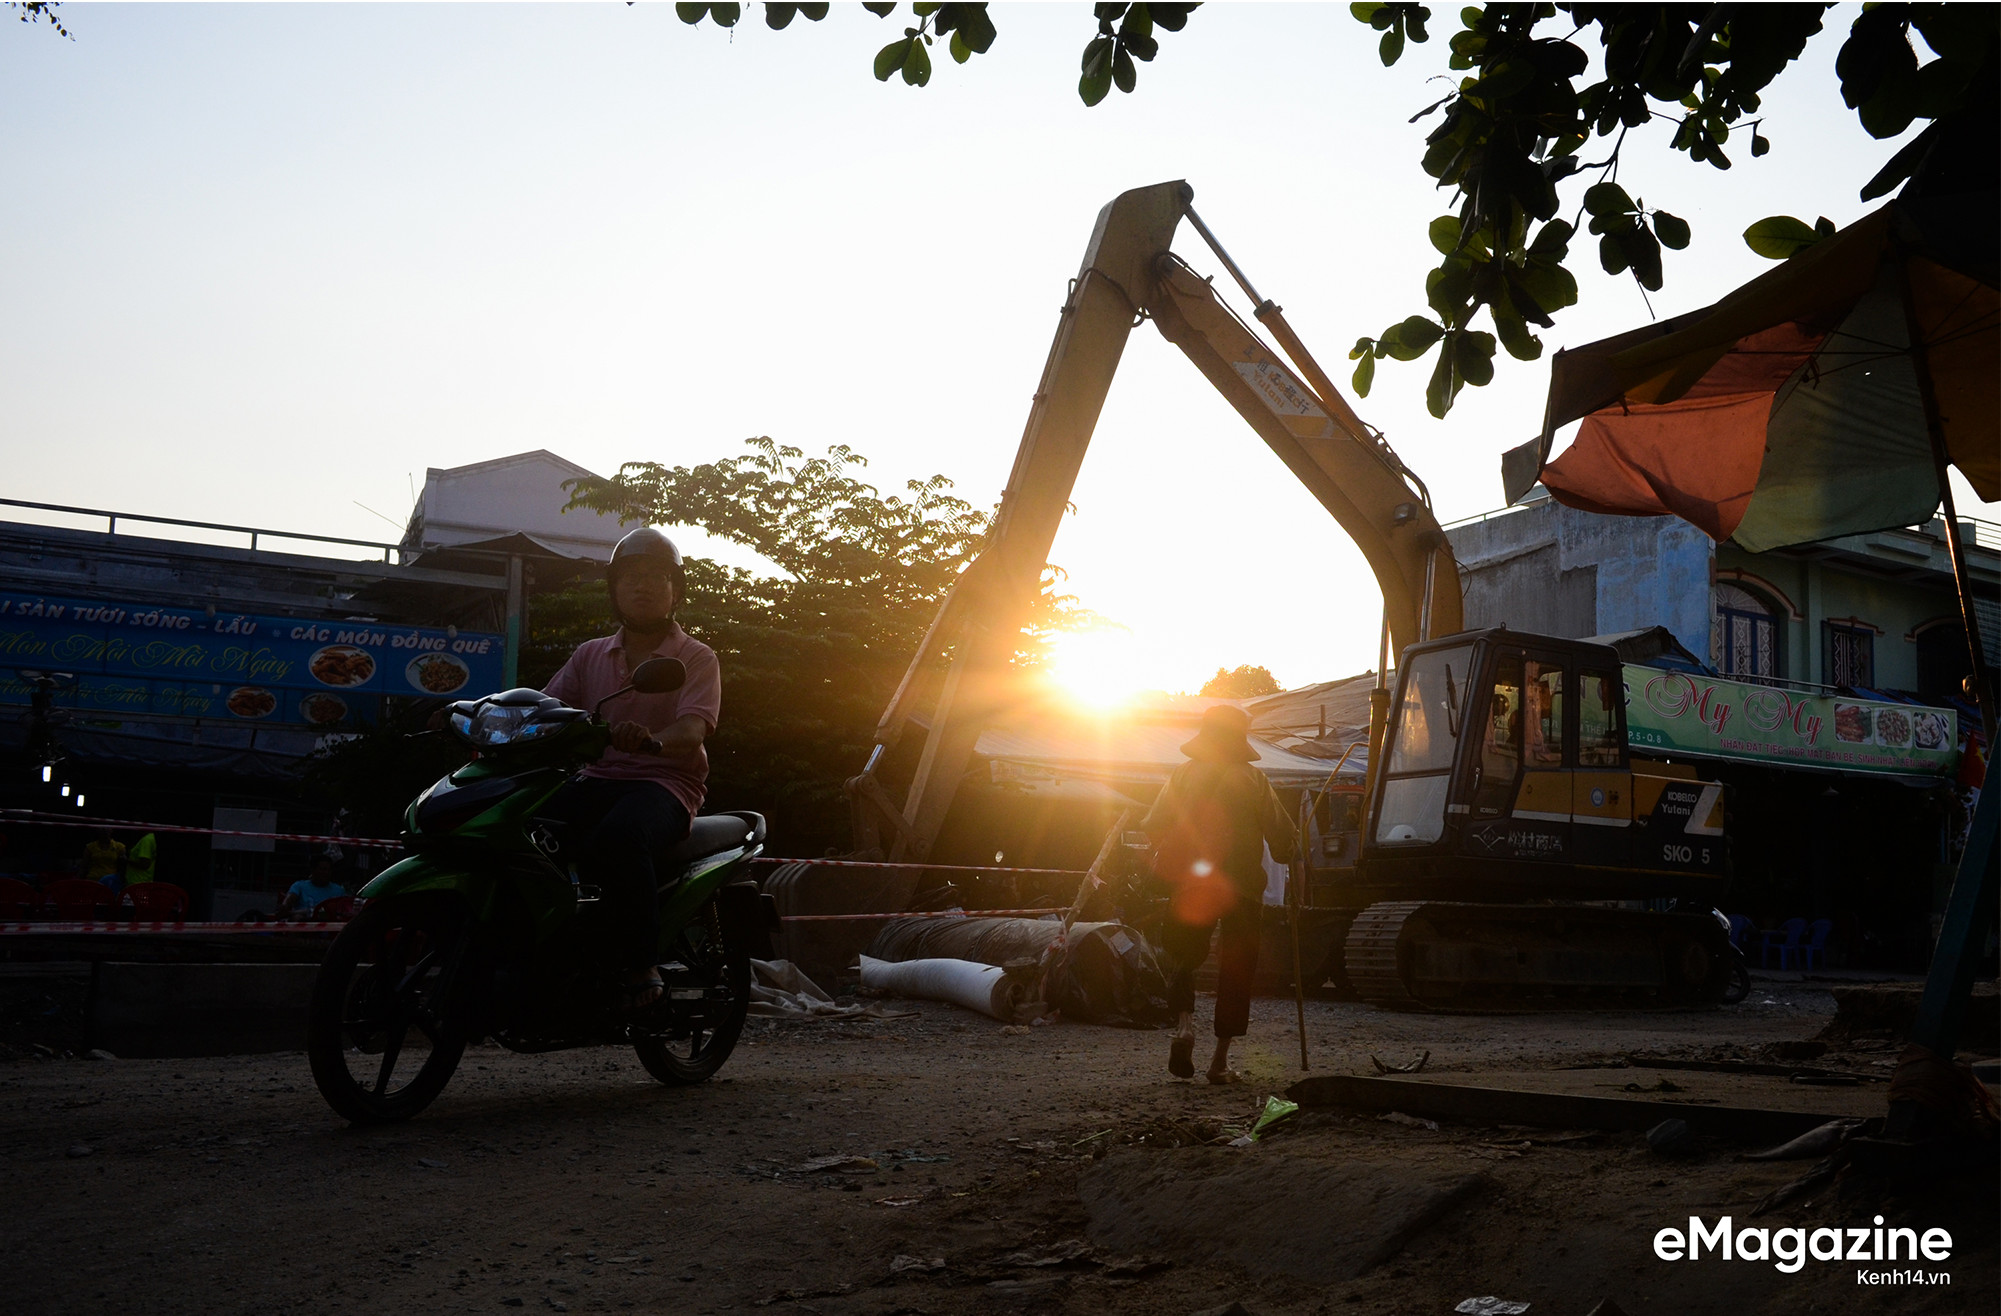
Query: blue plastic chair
1740, 930
1815, 944
1785, 939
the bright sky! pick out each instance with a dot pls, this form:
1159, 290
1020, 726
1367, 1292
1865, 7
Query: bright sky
265, 264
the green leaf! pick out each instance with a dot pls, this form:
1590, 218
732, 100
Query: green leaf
880, 8
726, 15
1552, 240
917, 65
1366, 12
1390, 48
1645, 253
814, 13
1612, 254
1515, 336
1473, 357
1607, 199
960, 52
1671, 230
976, 27
1444, 234
1442, 388
1123, 72
1365, 373
1096, 83
778, 17
1759, 144
891, 57
691, 14
1410, 338
1779, 237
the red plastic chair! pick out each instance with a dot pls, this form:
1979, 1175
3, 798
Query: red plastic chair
337, 909
80, 899
18, 900
154, 901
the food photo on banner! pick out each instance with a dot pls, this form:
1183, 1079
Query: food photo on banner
129, 656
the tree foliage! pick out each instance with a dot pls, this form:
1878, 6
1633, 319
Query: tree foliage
1241, 682
811, 655
1512, 135
40, 11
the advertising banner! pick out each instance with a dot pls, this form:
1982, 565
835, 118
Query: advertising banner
1680, 712
128, 656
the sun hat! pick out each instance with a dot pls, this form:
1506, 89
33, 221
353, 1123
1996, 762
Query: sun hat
1223, 737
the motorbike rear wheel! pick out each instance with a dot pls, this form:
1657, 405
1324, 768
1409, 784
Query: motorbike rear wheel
688, 1054
388, 975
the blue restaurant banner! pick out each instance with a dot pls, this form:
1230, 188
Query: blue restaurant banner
181, 662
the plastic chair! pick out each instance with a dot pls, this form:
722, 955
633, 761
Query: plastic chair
1815, 944
335, 909
1784, 939
1740, 930
18, 899
80, 899
155, 900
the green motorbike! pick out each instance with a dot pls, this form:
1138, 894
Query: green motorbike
484, 930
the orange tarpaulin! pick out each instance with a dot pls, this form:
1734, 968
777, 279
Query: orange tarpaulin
1795, 409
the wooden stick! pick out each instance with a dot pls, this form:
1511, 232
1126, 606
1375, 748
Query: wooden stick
1295, 902
1091, 879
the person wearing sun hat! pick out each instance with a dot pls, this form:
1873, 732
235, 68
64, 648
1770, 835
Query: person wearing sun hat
1209, 828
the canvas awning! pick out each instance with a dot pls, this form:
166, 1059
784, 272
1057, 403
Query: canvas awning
1792, 410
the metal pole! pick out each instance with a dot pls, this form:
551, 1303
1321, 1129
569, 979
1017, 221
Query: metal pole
510, 663
1983, 692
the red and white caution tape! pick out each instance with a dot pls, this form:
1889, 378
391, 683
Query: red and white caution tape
949, 868
923, 913
32, 818
56, 926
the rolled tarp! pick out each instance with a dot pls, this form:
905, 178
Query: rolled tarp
1095, 973
982, 987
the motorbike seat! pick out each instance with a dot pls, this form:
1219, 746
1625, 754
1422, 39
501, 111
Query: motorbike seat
714, 833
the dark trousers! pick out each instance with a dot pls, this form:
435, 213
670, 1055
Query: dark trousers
624, 828
1187, 945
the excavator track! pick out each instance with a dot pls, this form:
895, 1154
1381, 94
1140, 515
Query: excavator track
1441, 953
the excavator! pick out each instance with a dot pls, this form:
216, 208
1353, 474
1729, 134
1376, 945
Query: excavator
1507, 832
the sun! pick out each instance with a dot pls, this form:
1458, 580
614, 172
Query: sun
1099, 667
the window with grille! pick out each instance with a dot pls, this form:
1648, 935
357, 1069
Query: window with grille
1851, 655
1744, 634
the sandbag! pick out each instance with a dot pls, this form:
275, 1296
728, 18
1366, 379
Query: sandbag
982, 987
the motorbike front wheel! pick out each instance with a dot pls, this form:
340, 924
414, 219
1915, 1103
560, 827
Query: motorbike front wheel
381, 1031
704, 1032
1739, 985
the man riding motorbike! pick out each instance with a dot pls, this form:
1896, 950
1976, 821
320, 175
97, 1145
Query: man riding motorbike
637, 802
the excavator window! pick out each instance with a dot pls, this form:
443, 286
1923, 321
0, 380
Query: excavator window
1601, 739
1543, 725
1501, 743
1425, 731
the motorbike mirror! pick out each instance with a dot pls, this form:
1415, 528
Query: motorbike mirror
659, 676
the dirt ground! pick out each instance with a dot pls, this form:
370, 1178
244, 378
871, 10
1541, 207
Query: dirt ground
572, 1182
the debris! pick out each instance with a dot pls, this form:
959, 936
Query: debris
987, 988
1822, 1173
1491, 1306
849, 1164
1606, 1307
1015, 1030
1131, 1267
902, 1264
427, 1163
1227, 1309
98, 1053
899, 1201
1664, 1085
510, 1302
778, 990
1276, 1109
1054, 1254
79, 1150
1670, 1138
1410, 1121
1815, 1142
1408, 1067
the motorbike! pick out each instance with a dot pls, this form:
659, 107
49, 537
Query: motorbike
1738, 985
484, 929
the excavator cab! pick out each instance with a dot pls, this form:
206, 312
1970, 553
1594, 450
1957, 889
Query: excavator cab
1506, 774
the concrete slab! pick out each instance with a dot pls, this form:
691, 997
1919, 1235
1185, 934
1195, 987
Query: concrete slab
162, 1010
1321, 1221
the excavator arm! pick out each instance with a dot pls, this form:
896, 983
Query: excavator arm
962, 674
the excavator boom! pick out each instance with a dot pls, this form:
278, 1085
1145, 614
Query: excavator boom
1129, 274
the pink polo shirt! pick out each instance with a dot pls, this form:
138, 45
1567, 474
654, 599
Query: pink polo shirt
598, 667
